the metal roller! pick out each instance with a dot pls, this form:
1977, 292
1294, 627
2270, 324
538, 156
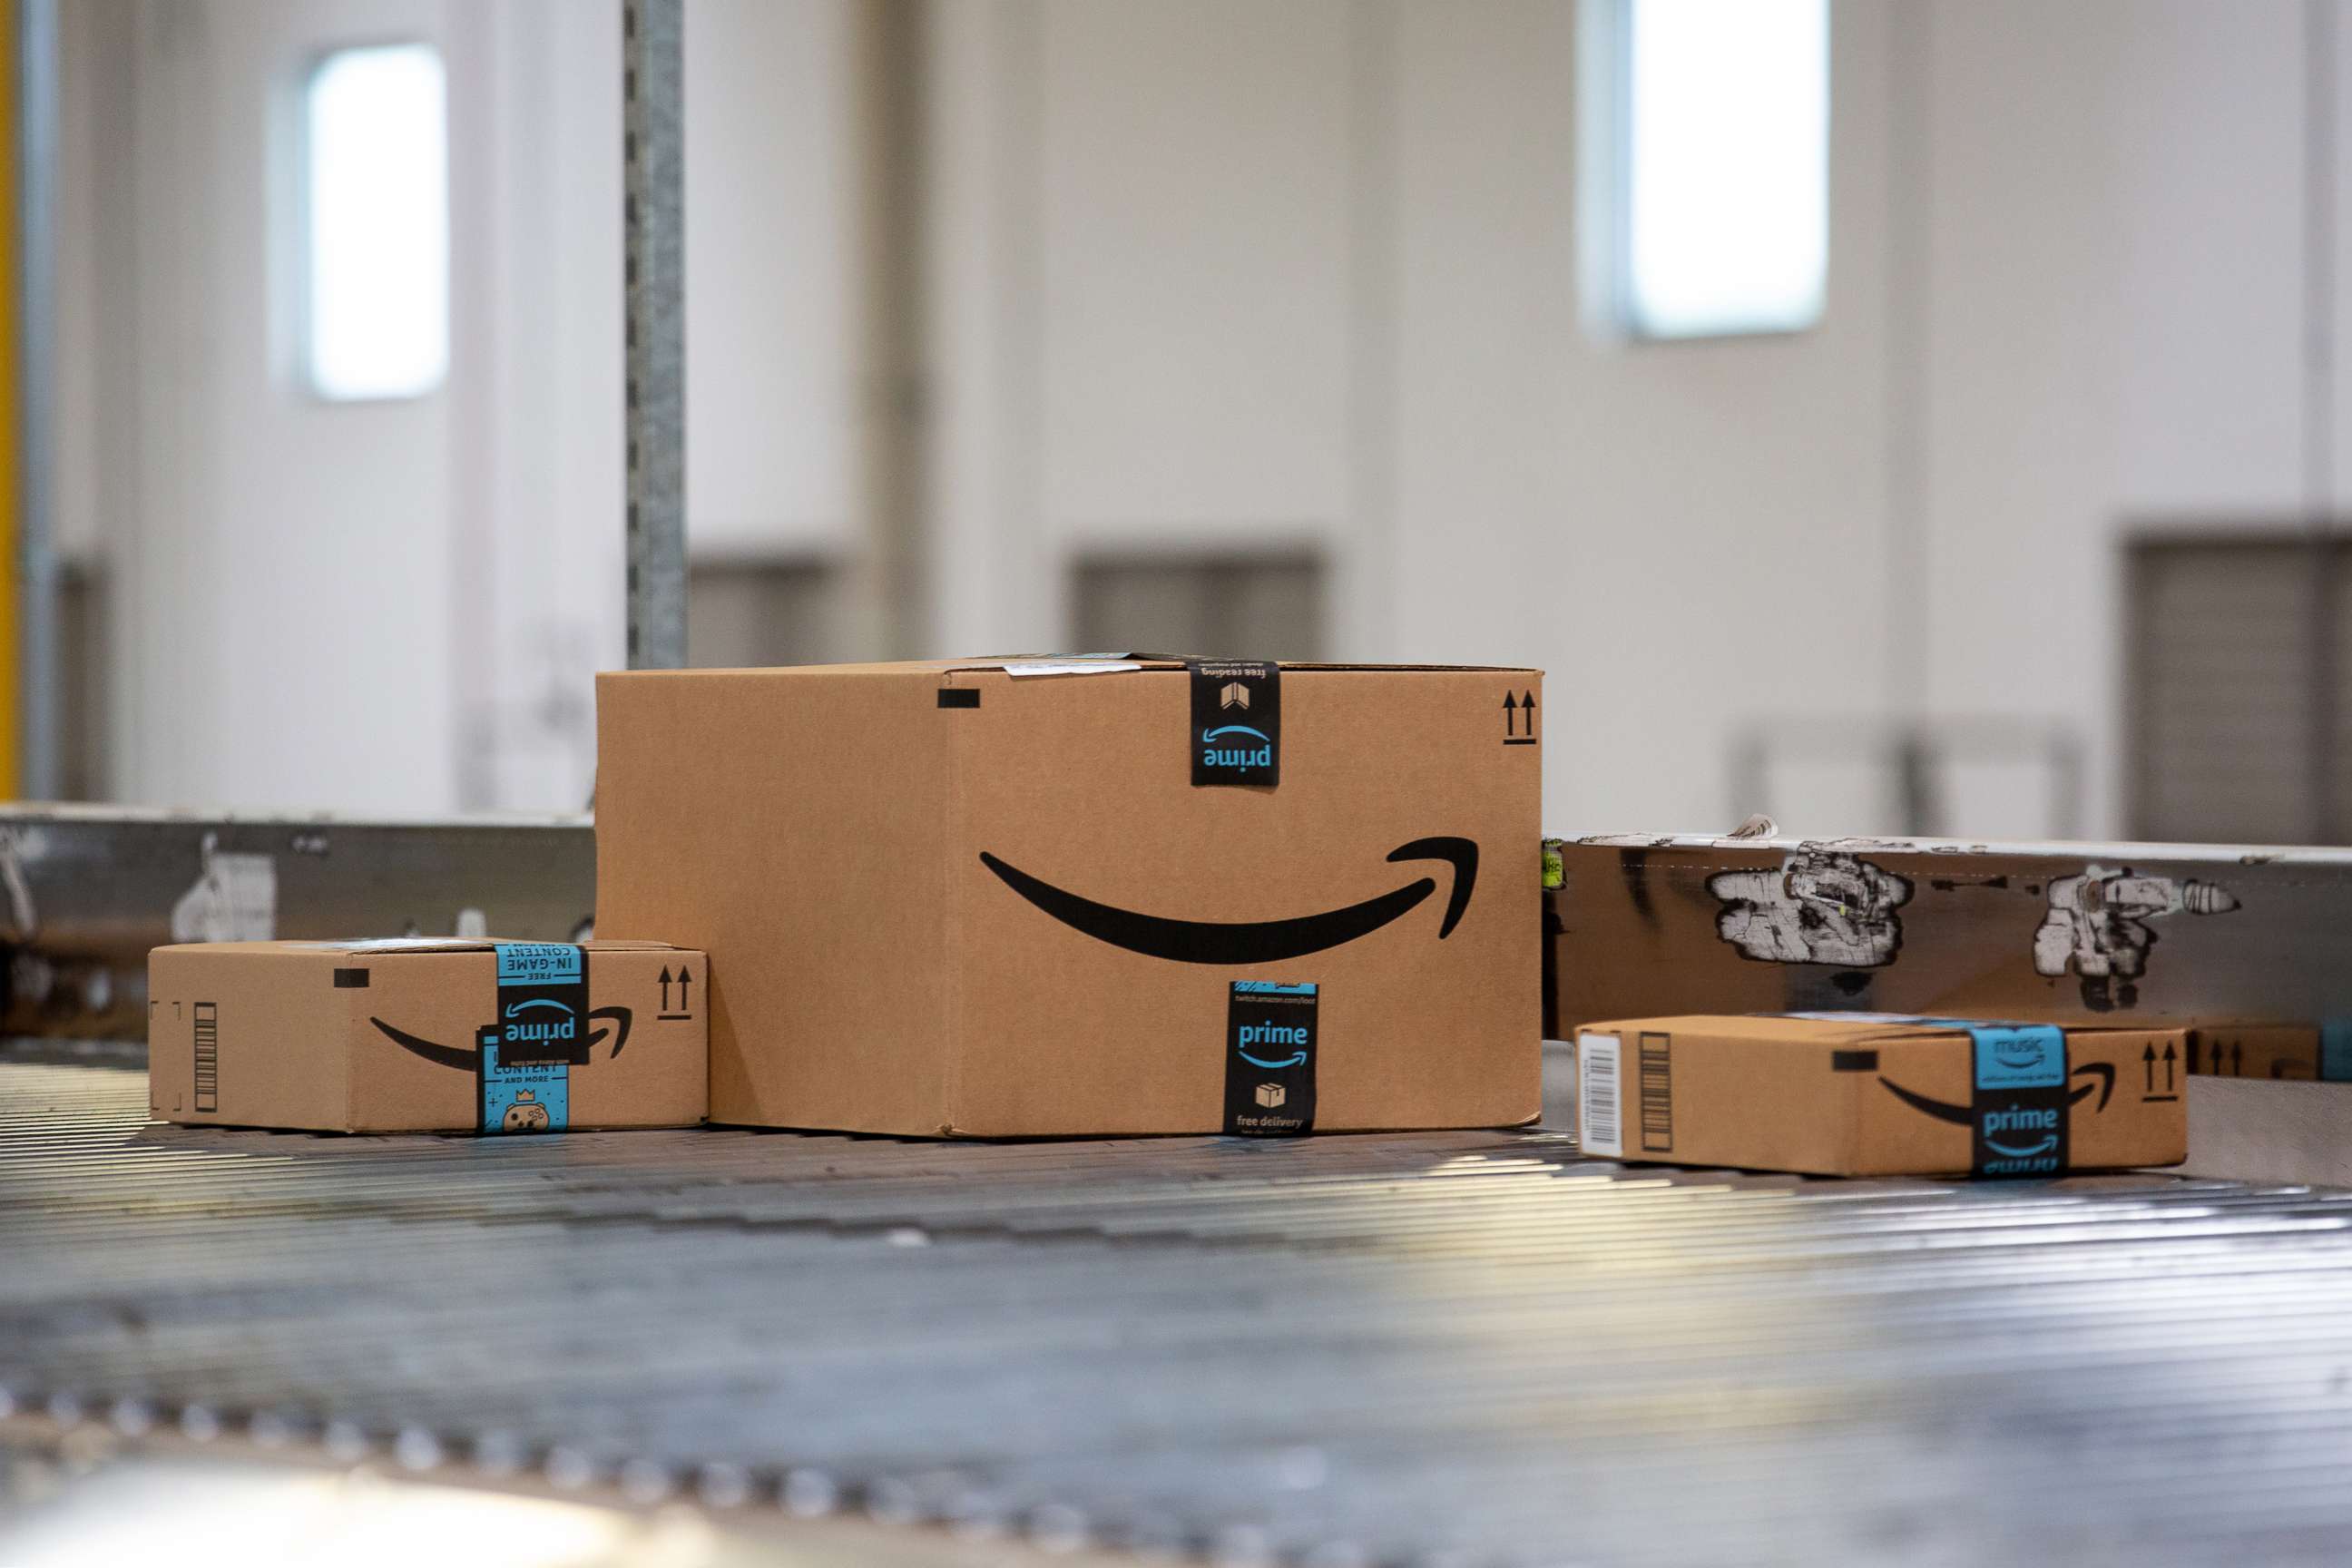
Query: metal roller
1455, 1347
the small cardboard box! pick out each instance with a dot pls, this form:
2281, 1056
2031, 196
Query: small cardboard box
1091, 896
427, 1034
2300, 1053
1868, 1095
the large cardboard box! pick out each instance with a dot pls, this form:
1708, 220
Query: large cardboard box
1857, 1095
428, 1035
1089, 897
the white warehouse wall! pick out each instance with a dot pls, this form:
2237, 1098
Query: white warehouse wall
398, 607
2065, 295
1217, 275
1667, 528
2114, 319
771, 286
285, 569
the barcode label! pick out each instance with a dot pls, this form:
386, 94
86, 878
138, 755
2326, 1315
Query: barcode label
207, 1056
1599, 1096
1658, 1094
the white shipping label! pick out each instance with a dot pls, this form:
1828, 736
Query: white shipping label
1088, 667
1599, 1096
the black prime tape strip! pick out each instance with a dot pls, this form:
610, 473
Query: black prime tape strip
351, 979
1235, 735
958, 696
2021, 1106
541, 1002
1271, 1045
537, 1035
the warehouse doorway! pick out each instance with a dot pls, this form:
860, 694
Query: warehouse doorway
2239, 698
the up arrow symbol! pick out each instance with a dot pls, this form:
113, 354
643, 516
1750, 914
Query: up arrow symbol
665, 986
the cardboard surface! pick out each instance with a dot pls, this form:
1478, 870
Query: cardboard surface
961, 899
2164, 934
388, 1036
2262, 1130
2287, 1053
1861, 1095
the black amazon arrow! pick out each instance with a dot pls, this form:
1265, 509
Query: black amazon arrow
464, 1060
1253, 941
1966, 1116
440, 1055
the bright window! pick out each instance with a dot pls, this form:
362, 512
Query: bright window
377, 216
1726, 185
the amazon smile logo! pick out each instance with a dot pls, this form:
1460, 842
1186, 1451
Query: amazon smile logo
2020, 1054
522, 1037
1253, 942
1966, 1115
2048, 1145
2018, 1129
1274, 1035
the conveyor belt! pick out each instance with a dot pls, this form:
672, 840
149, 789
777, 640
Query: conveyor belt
1448, 1348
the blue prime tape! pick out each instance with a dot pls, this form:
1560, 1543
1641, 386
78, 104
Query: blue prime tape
539, 962
2336, 1050
2020, 1056
523, 1097
539, 1034
2019, 1106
